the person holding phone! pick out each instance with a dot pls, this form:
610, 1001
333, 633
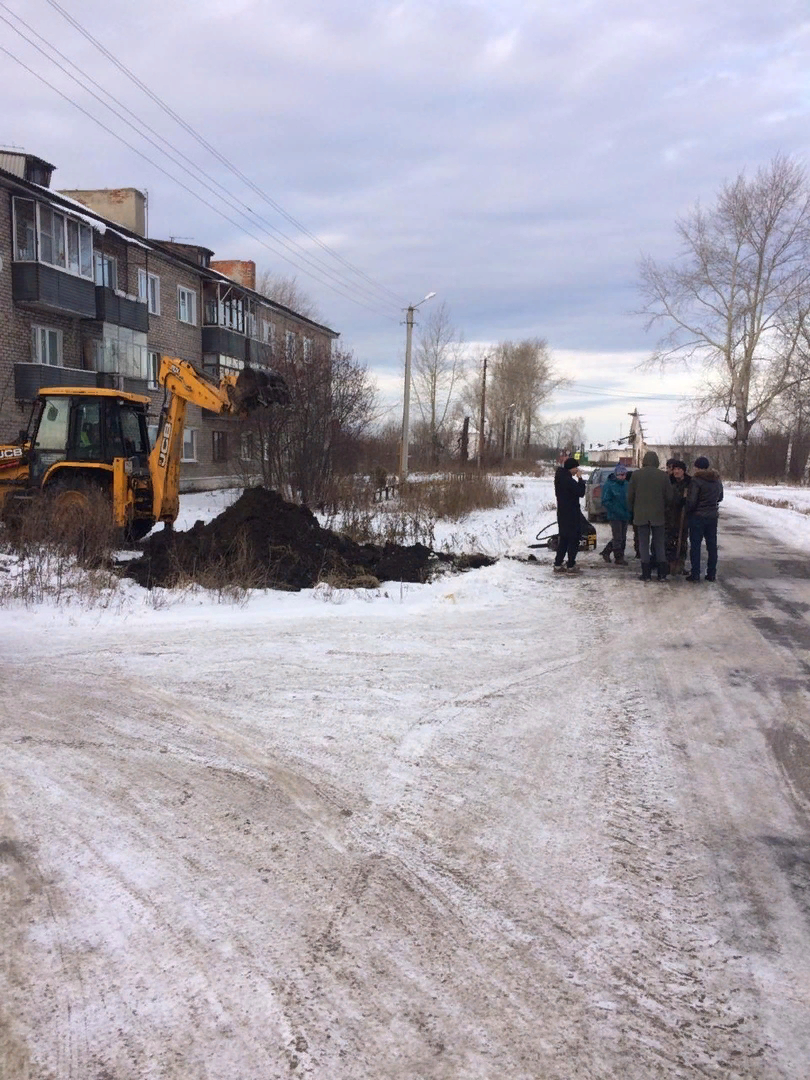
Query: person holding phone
569, 487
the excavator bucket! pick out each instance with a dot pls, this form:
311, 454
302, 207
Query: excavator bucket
255, 388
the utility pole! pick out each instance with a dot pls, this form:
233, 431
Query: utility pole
483, 416
406, 405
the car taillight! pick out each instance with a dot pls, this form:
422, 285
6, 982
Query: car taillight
597, 491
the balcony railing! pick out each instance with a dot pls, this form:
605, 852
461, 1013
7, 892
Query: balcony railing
44, 287
30, 378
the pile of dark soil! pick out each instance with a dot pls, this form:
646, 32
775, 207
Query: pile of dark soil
261, 541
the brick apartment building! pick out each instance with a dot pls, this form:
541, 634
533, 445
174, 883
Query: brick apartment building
86, 299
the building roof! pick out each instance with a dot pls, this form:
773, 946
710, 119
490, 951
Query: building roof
164, 250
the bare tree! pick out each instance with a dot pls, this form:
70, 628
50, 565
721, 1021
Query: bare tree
438, 367
566, 433
287, 292
333, 406
737, 297
522, 379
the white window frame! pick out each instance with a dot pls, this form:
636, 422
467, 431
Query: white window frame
105, 263
190, 435
269, 333
83, 235
32, 232
247, 446
153, 294
307, 353
152, 369
37, 341
289, 345
190, 298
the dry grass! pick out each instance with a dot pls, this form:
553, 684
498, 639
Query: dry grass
58, 556
410, 515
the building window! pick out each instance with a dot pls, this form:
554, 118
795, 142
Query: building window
52, 237
25, 230
219, 445
246, 446
46, 346
189, 444
186, 305
105, 270
307, 348
153, 371
289, 345
149, 291
63, 241
268, 332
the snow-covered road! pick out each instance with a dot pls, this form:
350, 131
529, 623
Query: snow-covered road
505, 826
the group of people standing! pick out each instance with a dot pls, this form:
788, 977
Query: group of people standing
672, 514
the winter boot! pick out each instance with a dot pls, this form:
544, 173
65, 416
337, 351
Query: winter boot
606, 550
663, 570
646, 571
620, 560
560, 568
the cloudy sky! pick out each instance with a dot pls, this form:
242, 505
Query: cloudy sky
517, 158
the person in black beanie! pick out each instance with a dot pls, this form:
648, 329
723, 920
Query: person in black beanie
702, 507
569, 488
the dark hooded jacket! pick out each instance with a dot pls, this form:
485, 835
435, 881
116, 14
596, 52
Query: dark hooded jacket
569, 490
680, 490
614, 498
705, 493
649, 492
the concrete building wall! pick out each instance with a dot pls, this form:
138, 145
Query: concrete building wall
127, 206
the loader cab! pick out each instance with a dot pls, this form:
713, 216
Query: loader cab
90, 428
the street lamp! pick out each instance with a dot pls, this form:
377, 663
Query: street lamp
406, 408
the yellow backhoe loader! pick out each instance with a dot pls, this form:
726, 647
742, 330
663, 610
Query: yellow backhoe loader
81, 441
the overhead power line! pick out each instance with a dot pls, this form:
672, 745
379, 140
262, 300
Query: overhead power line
609, 395
184, 186
232, 201
216, 153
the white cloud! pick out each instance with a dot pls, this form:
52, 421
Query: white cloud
516, 158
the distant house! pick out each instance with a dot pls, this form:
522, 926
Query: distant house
86, 299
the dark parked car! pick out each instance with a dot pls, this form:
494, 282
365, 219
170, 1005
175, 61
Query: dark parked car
593, 491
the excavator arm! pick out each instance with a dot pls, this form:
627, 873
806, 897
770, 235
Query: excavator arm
235, 394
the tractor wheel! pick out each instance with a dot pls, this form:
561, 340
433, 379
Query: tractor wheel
81, 519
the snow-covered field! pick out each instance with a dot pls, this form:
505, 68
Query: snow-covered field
500, 825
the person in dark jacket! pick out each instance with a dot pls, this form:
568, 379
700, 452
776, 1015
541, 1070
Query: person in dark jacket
648, 495
569, 488
614, 504
702, 506
677, 530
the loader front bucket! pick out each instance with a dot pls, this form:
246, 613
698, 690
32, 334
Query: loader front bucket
255, 388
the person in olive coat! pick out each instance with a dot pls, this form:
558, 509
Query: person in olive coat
702, 506
569, 488
648, 495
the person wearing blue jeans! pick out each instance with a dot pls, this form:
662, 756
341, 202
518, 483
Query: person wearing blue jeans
703, 499
700, 529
